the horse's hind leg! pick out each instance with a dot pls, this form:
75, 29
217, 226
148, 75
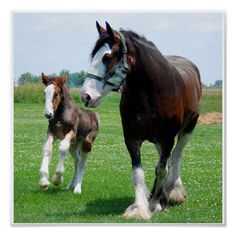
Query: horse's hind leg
80, 159
47, 152
63, 150
74, 151
173, 184
158, 198
79, 171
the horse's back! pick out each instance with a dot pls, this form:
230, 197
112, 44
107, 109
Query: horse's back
187, 69
190, 78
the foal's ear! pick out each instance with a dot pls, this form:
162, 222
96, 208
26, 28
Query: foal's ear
61, 80
45, 79
110, 31
100, 28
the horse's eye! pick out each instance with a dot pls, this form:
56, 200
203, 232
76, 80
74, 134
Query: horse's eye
55, 94
106, 58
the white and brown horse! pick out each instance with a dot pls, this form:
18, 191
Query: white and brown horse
160, 100
75, 127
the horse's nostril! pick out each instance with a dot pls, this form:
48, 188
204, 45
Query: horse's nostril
48, 116
87, 97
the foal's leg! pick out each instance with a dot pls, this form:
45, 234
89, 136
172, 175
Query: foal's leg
80, 158
140, 208
75, 154
80, 171
63, 149
173, 185
47, 152
158, 198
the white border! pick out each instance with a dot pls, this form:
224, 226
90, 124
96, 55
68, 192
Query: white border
6, 120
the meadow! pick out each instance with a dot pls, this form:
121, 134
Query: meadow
107, 188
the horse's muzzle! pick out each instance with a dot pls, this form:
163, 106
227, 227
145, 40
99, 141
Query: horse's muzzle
49, 116
89, 101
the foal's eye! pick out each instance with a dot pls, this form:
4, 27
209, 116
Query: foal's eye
55, 94
106, 58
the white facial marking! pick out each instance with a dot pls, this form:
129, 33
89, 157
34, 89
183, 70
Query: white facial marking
97, 67
93, 88
49, 91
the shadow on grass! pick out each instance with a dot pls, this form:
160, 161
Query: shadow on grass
114, 206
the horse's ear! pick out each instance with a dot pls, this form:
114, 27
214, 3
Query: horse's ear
110, 31
100, 28
61, 80
45, 79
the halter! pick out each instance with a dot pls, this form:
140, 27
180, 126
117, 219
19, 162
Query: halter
121, 69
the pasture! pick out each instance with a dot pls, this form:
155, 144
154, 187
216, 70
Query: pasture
107, 189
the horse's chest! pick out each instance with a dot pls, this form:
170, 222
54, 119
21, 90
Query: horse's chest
59, 130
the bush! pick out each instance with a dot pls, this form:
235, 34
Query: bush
30, 93
33, 93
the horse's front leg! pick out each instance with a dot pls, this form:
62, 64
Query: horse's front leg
140, 208
47, 152
63, 150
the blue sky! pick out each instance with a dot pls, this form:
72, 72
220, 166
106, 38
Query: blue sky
50, 42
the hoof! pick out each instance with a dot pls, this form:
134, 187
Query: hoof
137, 212
177, 196
154, 205
57, 179
44, 184
71, 185
77, 190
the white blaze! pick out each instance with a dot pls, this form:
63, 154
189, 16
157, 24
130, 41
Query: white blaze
49, 91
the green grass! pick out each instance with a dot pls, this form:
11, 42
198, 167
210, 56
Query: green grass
211, 100
107, 189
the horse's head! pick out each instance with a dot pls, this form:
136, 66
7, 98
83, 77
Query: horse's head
109, 66
53, 93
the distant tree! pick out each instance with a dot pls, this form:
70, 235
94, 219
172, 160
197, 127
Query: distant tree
64, 72
218, 83
76, 79
28, 78
204, 86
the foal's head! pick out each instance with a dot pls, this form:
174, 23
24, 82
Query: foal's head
53, 93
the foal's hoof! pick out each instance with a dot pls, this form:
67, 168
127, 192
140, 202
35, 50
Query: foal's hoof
137, 212
77, 190
44, 184
57, 179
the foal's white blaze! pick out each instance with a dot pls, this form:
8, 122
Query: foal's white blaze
49, 91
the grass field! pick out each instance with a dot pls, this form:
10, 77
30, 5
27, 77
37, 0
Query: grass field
107, 189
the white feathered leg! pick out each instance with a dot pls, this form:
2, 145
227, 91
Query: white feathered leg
140, 208
44, 172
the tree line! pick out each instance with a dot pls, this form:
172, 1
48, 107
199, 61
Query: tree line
74, 79
77, 79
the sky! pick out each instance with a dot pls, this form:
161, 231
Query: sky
50, 42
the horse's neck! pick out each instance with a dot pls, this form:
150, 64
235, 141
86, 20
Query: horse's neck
152, 70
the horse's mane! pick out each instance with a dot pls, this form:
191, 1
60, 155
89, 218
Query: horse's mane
144, 46
141, 44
